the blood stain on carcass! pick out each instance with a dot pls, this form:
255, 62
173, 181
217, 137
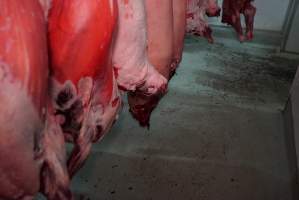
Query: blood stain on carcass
126, 2
115, 101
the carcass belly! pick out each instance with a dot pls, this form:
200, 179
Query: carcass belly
83, 88
23, 87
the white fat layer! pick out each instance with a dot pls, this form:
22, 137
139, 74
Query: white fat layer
56, 179
20, 131
25, 138
17, 107
97, 114
129, 52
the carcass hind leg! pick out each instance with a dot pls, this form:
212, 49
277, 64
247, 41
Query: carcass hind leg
81, 150
236, 23
208, 34
249, 13
55, 178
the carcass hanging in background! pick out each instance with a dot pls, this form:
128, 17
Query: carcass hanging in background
83, 88
232, 9
196, 17
165, 25
32, 154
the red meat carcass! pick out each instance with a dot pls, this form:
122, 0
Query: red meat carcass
196, 14
130, 60
232, 9
179, 24
32, 154
46, 5
83, 89
165, 22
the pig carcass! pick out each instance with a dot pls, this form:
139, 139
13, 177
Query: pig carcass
165, 25
84, 92
196, 17
32, 152
130, 60
232, 9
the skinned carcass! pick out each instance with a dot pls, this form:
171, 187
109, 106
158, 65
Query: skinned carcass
179, 24
83, 88
130, 61
46, 5
232, 9
32, 153
165, 22
196, 17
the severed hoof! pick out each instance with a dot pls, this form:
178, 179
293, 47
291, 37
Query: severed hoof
210, 40
241, 38
141, 107
249, 36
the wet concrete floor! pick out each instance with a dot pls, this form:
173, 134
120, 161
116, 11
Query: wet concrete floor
217, 135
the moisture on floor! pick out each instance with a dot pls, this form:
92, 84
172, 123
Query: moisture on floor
217, 135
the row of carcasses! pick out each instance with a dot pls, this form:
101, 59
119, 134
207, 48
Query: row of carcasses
63, 67
231, 15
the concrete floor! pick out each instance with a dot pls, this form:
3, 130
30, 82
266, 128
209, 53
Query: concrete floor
217, 135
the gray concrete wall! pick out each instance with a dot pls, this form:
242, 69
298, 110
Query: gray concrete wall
270, 14
291, 116
294, 100
292, 41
